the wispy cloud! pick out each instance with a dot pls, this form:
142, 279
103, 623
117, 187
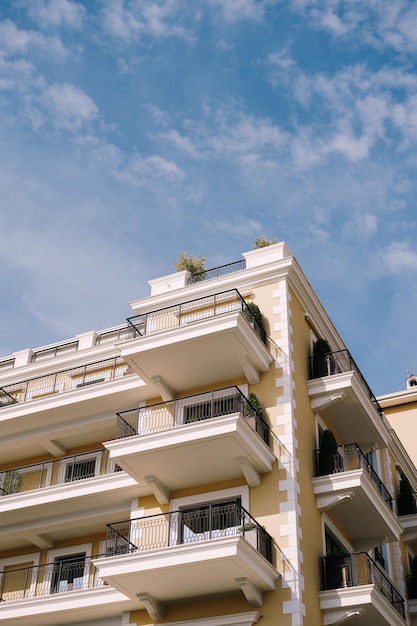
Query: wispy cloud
398, 257
47, 13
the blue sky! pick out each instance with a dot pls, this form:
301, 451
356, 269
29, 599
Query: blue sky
131, 130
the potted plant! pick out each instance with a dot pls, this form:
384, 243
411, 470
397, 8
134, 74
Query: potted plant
321, 361
194, 264
251, 409
12, 483
329, 460
253, 312
263, 242
406, 502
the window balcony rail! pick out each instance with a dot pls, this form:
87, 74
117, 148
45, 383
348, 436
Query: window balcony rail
67, 469
199, 407
351, 570
62, 381
215, 272
50, 353
193, 311
337, 363
61, 576
349, 457
8, 364
118, 334
203, 523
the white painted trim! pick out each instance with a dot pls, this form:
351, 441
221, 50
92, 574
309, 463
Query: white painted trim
234, 619
59, 552
84, 458
212, 496
18, 560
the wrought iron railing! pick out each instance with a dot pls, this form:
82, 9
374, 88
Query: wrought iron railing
50, 353
67, 469
117, 334
203, 523
193, 311
351, 570
61, 576
202, 406
337, 363
349, 457
62, 381
215, 272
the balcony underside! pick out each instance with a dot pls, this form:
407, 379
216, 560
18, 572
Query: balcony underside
203, 452
356, 505
195, 570
347, 409
60, 422
409, 526
362, 605
208, 352
45, 516
62, 608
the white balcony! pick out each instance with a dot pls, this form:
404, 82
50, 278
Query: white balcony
349, 488
44, 516
193, 441
216, 549
40, 596
193, 344
358, 590
339, 392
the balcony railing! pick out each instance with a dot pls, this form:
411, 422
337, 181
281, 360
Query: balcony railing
215, 272
337, 363
50, 353
162, 320
62, 381
203, 523
203, 406
349, 457
407, 504
352, 570
57, 472
118, 334
63, 575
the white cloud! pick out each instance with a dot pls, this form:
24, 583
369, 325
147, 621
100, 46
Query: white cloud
235, 10
56, 12
69, 108
398, 258
130, 20
140, 170
14, 40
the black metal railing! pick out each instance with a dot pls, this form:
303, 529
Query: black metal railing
67, 469
193, 311
62, 381
118, 334
336, 363
203, 523
345, 458
196, 408
63, 575
50, 353
352, 570
215, 272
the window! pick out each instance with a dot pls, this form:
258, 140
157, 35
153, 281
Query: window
68, 573
217, 519
79, 467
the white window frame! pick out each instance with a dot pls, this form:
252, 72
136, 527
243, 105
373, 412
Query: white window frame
60, 552
18, 560
64, 463
206, 498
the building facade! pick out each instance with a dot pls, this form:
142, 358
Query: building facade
203, 464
